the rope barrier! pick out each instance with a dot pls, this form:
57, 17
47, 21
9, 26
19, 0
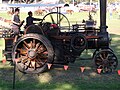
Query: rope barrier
82, 68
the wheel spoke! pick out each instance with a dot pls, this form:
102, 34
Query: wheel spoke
43, 56
22, 51
37, 46
25, 47
33, 64
104, 55
41, 59
41, 49
40, 62
33, 43
38, 65
24, 59
106, 60
113, 62
52, 19
60, 20
28, 63
26, 44
101, 66
107, 57
113, 65
98, 62
101, 57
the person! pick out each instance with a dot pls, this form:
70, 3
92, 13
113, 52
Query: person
16, 23
111, 12
30, 19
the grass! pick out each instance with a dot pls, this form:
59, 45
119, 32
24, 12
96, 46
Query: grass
58, 79
72, 79
112, 23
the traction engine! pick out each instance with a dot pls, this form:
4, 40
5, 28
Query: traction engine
57, 42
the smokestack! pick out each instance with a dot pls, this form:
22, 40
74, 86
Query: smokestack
103, 26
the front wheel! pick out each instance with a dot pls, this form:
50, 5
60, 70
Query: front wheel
106, 60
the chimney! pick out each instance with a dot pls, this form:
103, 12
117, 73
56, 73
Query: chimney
103, 26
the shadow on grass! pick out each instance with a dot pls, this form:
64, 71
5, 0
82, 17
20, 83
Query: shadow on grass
115, 45
59, 79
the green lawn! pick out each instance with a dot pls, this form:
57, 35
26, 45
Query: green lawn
112, 23
73, 79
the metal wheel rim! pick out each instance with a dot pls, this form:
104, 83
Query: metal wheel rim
106, 60
31, 63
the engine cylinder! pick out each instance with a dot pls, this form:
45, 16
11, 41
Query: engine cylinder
102, 41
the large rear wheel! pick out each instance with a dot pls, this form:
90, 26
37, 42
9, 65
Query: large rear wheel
32, 52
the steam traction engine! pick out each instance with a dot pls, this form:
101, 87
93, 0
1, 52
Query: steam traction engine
51, 42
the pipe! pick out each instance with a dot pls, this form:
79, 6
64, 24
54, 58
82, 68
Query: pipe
103, 26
